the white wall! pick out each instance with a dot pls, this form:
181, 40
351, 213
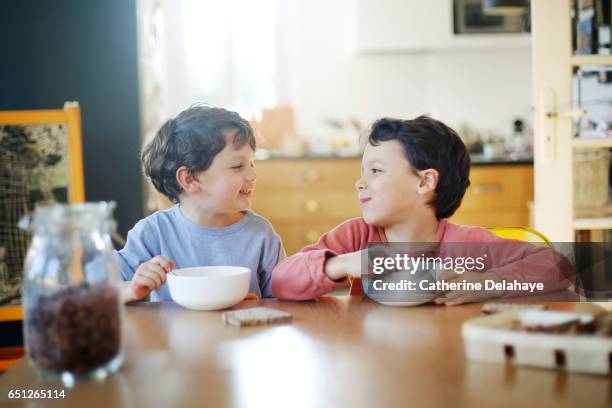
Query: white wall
483, 88
322, 75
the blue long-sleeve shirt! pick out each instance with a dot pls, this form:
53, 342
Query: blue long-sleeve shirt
250, 242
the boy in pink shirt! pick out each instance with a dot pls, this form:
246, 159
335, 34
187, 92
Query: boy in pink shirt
413, 177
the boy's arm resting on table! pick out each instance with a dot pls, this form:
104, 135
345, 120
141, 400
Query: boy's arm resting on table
540, 265
509, 260
528, 263
302, 277
306, 274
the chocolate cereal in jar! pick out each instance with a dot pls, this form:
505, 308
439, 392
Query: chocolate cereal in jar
71, 298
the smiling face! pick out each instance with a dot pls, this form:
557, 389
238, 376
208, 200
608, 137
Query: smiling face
226, 187
390, 190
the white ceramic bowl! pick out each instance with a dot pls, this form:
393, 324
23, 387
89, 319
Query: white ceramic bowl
209, 287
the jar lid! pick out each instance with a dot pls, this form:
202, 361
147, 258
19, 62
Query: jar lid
55, 217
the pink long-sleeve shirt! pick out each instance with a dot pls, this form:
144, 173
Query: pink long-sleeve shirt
302, 276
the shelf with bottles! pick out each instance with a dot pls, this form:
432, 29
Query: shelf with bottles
592, 110
592, 24
592, 106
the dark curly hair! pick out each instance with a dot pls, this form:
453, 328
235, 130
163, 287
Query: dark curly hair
192, 139
430, 144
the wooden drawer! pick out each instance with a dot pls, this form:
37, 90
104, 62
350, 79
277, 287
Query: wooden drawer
307, 175
498, 196
499, 218
307, 206
496, 188
297, 235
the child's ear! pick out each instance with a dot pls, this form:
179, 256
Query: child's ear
428, 181
186, 180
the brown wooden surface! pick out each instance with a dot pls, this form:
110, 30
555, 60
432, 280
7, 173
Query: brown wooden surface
337, 352
306, 198
497, 196
9, 357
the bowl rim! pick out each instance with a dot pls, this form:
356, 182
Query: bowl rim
237, 270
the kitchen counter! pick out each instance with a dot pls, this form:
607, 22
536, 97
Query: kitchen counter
505, 160
477, 159
338, 351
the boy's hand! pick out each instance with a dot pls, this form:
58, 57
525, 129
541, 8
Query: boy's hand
149, 276
251, 296
344, 265
459, 297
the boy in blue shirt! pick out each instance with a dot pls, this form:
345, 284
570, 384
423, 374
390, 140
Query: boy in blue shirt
203, 161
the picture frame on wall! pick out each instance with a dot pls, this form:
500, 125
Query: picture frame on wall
40, 161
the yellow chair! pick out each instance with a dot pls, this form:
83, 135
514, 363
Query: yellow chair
70, 118
521, 234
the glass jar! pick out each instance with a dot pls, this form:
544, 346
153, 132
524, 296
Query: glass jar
71, 293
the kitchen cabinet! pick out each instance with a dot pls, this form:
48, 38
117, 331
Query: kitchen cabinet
304, 198
499, 196
385, 26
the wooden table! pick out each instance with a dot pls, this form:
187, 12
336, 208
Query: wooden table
338, 352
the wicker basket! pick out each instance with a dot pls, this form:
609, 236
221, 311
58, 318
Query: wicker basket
591, 179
